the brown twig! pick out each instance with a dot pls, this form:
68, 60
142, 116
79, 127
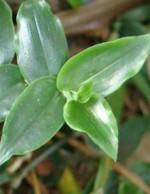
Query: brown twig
80, 146
132, 177
118, 167
32, 178
89, 152
95, 15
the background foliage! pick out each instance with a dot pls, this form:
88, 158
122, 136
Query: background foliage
71, 158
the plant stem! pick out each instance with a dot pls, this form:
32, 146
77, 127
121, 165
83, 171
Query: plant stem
117, 166
38, 160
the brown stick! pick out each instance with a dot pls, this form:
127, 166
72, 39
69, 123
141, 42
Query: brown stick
117, 166
96, 14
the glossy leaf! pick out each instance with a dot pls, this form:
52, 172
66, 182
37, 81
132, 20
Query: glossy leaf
129, 28
42, 47
6, 34
96, 120
34, 119
107, 66
11, 85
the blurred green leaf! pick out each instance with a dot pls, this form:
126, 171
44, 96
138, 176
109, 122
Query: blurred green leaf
116, 101
131, 135
89, 186
7, 50
4, 178
96, 119
139, 14
11, 85
112, 184
142, 169
131, 28
143, 85
42, 47
107, 66
35, 117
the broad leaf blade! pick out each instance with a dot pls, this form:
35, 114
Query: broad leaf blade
107, 66
6, 34
42, 47
96, 120
11, 85
34, 119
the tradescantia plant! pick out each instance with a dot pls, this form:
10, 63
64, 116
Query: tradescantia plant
46, 89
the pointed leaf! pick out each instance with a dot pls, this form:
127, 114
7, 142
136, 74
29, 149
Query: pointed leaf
6, 34
42, 47
34, 119
11, 85
107, 66
96, 120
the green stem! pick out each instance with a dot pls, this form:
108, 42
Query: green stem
104, 169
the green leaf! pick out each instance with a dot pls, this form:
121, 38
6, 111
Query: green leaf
76, 3
84, 93
6, 34
42, 47
143, 85
138, 14
142, 169
116, 102
96, 120
130, 28
131, 135
107, 66
33, 120
11, 85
